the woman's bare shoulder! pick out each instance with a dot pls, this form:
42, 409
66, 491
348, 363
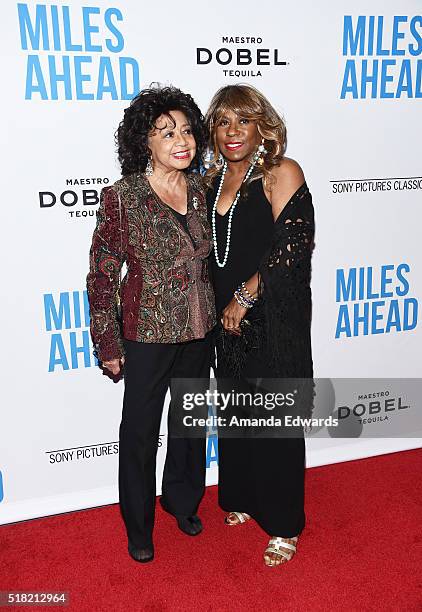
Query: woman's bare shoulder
287, 174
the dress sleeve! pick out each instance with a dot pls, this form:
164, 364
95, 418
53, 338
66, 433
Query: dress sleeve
287, 261
284, 286
105, 263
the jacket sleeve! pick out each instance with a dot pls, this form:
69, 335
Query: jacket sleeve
105, 262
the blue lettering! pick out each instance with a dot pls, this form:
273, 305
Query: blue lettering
349, 75
56, 77
76, 309
398, 19
346, 292
90, 29
393, 318
405, 80
85, 349
358, 318
120, 42
34, 33
369, 78
34, 79
370, 294
407, 324
50, 311
416, 50
386, 78
418, 84
212, 450
400, 270
351, 39
371, 30
87, 318
106, 82
124, 63
376, 317
57, 346
361, 283
386, 281
69, 46
56, 27
343, 322
380, 30
80, 78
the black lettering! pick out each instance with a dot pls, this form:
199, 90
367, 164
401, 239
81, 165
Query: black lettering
278, 62
388, 403
358, 413
343, 412
90, 197
44, 204
261, 56
229, 56
74, 197
244, 54
400, 407
200, 50
374, 407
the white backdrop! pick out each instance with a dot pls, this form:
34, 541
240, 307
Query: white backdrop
357, 144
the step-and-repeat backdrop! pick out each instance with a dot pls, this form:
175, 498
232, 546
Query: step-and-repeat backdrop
347, 76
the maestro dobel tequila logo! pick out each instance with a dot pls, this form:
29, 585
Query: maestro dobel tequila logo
240, 56
78, 196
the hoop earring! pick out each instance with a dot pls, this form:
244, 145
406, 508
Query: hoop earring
149, 170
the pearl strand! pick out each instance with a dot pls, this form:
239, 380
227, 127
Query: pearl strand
221, 264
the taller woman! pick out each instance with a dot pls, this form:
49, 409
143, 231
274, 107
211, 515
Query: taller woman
155, 220
262, 219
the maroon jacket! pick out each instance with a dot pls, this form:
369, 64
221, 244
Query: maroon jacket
166, 294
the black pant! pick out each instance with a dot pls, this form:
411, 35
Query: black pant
149, 368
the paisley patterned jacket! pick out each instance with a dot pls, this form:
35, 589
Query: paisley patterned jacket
166, 294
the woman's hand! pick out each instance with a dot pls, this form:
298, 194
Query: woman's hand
114, 365
232, 316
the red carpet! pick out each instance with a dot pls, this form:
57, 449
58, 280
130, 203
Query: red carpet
361, 550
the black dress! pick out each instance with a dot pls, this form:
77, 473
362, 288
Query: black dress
264, 477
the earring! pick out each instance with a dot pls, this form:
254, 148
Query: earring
219, 161
261, 152
149, 168
207, 159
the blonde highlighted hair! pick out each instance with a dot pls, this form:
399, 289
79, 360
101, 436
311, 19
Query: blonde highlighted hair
249, 103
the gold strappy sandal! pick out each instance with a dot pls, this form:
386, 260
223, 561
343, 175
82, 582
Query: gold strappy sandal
240, 517
284, 548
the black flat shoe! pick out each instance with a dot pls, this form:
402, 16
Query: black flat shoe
142, 555
191, 525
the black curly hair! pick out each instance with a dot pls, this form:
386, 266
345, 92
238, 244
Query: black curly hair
140, 117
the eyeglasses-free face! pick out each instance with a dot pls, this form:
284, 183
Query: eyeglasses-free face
172, 143
236, 136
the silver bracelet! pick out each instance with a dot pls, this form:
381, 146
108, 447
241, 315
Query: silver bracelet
241, 300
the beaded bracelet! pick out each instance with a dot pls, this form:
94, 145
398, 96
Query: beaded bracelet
246, 295
245, 290
243, 300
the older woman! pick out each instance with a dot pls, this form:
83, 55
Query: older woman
154, 219
262, 218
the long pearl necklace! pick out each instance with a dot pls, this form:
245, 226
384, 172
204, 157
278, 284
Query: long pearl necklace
221, 264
